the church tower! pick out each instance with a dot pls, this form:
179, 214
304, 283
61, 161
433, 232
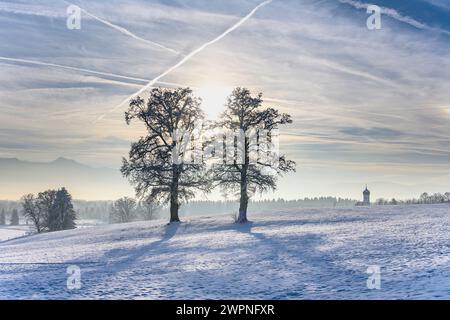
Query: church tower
366, 194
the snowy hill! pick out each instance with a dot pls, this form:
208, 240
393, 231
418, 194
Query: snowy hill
298, 254
12, 232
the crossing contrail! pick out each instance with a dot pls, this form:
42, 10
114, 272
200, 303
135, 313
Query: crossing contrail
122, 77
125, 31
188, 57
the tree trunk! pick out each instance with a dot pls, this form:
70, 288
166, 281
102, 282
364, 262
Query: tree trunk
36, 224
174, 205
174, 209
244, 198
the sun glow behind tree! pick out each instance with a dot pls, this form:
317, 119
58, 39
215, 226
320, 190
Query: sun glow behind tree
213, 99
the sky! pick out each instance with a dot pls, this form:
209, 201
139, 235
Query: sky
369, 106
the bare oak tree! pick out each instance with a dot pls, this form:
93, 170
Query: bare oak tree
151, 167
245, 114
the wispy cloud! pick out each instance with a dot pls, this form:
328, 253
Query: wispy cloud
30, 9
122, 77
189, 56
444, 4
125, 31
396, 15
53, 65
89, 71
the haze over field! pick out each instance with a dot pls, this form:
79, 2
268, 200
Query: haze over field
101, 183
369, 106
88, 183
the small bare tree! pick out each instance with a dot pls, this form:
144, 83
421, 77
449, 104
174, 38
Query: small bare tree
149, 208
447, 195
123, 210
33, 212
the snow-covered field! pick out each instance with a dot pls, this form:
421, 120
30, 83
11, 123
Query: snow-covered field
290, 254
11, 232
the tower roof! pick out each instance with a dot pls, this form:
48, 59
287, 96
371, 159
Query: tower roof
366, 191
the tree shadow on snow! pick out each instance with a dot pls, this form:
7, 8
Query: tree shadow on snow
49, 281
302, 221
306, 271
121, 258
285, 266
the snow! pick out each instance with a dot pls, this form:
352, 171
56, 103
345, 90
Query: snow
286, 254
11, 232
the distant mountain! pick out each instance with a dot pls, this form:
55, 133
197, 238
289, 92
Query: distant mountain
67, 162
19, 177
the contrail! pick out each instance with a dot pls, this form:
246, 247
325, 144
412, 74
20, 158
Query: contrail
53, 65
90, 71
125, 31
188, 57
119, 76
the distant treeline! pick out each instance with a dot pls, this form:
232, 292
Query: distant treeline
9, 213
230, 206
101, 210
424, 198
97, 210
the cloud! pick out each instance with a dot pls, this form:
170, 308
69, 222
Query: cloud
31, 9
126, 31
366, 104
190, 55
376, 133
441, 3
397, 16
53, 65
